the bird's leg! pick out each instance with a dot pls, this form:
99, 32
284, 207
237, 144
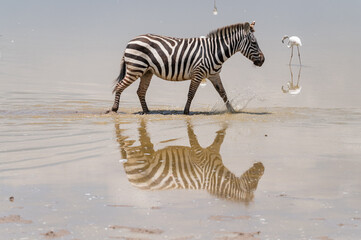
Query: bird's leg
291, 55
299, 75
299, 56
291, 82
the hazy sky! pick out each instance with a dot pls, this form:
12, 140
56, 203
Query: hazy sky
84, 40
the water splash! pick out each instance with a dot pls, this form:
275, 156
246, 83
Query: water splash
239, 101
123, 160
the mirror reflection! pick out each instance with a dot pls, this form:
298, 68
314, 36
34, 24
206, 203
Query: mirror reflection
292, 88
185, 167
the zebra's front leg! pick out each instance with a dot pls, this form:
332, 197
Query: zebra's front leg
142, 90
217, 142
217, 83
192, 91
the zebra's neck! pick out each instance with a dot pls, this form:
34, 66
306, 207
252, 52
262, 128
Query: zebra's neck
223, 183
223, 47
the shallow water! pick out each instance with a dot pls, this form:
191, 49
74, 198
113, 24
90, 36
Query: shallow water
68, 171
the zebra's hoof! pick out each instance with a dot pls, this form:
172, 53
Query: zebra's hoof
145, 111
231, 110
110, 111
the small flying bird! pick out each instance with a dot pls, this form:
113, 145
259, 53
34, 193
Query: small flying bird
293, 41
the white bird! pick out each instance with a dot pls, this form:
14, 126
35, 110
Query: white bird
215, 11
293, 41
291, 87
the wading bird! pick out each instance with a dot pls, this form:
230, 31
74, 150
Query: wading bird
291, 87
293, 41
215, 11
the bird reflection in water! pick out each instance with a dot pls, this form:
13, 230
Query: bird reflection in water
291, 88
183, 167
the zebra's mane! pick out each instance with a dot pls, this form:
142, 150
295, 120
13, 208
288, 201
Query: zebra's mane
220, 31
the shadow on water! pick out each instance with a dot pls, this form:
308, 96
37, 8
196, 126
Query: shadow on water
206, 113
183, 167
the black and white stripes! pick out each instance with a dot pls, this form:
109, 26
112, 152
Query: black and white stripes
179, 59
182, 167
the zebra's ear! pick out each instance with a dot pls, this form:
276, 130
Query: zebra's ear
246, 28
252, 26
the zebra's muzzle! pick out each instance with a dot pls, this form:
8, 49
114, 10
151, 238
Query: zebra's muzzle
259, 62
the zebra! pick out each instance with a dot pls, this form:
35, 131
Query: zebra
179, 59
183, 167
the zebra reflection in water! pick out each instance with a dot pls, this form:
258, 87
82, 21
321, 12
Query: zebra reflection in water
183, 167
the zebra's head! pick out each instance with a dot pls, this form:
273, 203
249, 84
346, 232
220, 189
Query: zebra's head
249, 46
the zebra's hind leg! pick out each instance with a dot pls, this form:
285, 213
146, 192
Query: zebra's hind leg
192, 91
116, 102
142, 89
144, 139
217, 83
119, 88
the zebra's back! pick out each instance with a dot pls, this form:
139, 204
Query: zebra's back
168, 58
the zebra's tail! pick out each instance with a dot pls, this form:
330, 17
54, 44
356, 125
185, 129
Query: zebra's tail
121, 75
